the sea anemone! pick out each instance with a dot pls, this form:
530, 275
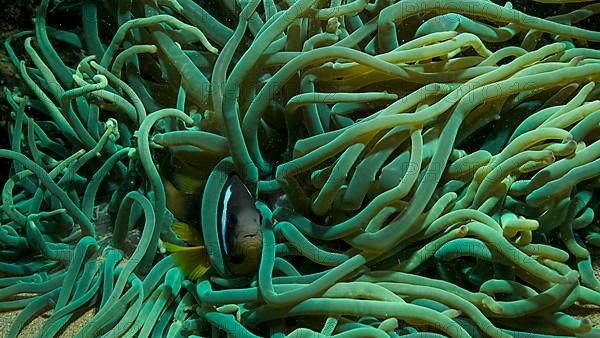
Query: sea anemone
422, 167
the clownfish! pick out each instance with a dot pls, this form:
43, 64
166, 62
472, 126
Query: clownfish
238, 223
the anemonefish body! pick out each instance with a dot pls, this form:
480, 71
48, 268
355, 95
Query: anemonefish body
239, 228
240, 222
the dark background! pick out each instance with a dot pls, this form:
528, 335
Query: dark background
15, 16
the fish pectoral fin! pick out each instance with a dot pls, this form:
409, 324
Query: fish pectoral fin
173, 248
193, 261
187, 233
201, 267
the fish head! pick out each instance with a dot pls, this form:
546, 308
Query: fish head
240, 225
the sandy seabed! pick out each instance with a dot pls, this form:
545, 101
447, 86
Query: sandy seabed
33, 328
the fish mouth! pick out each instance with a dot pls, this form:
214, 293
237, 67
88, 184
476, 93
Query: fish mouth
244, 236
245, 258
250, 241
249, 244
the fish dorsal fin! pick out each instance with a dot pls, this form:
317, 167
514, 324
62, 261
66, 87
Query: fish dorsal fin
186, 183
193, 261
187, 233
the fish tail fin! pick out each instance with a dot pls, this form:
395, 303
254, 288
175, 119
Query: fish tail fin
193, 261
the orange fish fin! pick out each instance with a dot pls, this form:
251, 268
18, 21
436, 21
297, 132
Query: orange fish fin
193, 261
187, 233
